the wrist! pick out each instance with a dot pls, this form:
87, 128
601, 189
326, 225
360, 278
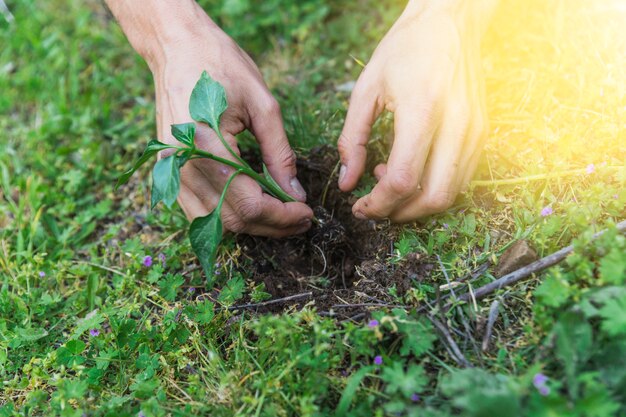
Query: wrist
157, 29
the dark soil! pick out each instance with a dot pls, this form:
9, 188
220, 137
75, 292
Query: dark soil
343, 262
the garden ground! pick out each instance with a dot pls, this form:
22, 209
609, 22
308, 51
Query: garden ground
105, 312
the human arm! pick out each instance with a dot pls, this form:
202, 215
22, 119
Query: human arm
179, 41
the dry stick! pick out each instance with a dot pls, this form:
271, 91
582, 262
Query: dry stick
457, 355
369, 305
528, 270
270, 302
493, 315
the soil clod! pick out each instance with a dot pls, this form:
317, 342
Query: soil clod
341, 259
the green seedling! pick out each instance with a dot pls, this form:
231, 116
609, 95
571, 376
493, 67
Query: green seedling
206, 105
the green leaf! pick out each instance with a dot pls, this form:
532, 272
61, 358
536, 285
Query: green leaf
613, 267
70, 354
73, 388
478, 393
554, 291
419, 337
205, 235
202, 313
614, 317
30, 335
574, 340
233, 290
208, 101
350, 390
185, 133
91, 321
153, 147
169, 285
165, 181
412, 381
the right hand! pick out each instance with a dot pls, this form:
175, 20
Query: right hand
251, 106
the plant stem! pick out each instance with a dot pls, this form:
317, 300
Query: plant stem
218, 209
229, 149
277, 192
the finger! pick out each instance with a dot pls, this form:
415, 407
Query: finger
191, 205
246, 209
414, 128
259, 209
280, 159
447, 165
272, 218
380, 171
363, 110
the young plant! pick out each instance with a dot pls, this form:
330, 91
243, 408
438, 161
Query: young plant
206, 105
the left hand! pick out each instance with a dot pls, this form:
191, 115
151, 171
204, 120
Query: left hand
426, 71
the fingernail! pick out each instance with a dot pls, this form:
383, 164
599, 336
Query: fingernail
359, 215
304, 225
297, 188
342, 173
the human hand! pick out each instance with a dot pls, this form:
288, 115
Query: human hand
427, 72
176, 67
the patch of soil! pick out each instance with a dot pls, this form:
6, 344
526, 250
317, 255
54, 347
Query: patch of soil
342, 261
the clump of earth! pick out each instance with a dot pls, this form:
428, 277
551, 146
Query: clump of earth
345, 263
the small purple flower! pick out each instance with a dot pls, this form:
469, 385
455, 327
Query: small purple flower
539, 380
378, 360
373, 323
445, 225
415, 397
591, 168
191, 290
94, 332
141, 414
615, 196
42, 274
546, 211
162, 259
147, 261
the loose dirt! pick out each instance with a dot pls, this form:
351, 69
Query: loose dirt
347, 264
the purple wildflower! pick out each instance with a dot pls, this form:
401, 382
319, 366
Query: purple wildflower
445, 225
378, 360
539, 380
94, 332
191, 290
546, 211
373, 323
591, 168
141, 414
42, 274
162, 259
147, 261
415, 397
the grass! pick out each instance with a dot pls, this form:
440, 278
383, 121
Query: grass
77, 105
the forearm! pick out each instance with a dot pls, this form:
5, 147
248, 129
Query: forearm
155, 27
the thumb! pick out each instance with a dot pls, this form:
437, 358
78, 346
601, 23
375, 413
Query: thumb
362, 113
280, 159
